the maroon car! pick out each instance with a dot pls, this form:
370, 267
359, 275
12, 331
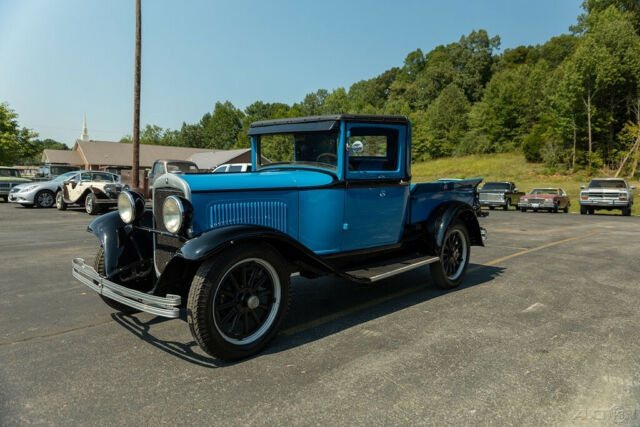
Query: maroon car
550, 199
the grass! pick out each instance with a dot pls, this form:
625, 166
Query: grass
509, 167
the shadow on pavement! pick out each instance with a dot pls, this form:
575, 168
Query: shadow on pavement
322, 307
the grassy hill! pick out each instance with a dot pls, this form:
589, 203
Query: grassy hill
508, 167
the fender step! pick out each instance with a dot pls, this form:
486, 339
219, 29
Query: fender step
391, 267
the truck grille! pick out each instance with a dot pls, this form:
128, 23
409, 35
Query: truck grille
270, 213
5, 186
493, 197
602, 195
166, 246
536, 201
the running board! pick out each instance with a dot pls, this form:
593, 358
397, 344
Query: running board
392, 267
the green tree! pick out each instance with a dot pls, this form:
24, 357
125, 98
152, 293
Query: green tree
16, 143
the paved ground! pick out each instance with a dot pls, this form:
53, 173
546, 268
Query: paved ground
544, 331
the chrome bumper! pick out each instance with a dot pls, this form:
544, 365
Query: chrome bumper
605, 203
160, 306
536, 205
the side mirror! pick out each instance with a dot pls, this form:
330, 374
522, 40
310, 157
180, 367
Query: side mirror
515, 190
633, 187
582, 187
356, 148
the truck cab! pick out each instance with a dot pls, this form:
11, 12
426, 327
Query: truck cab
327, 195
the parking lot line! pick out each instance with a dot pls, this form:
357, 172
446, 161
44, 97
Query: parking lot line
325, 319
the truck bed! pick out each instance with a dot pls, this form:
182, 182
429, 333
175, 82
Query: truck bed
426, 196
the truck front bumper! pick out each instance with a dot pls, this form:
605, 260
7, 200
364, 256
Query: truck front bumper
160, 306
495, 203
605, 203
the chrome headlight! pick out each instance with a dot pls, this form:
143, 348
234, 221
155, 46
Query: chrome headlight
173, 214
130, 206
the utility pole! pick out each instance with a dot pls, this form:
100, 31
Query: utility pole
136, 104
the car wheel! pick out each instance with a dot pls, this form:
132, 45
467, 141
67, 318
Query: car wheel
238, 300
555, 208
523, 209
566, 209
454, 258
626, 211
591, 211
60, 204
90, 205
507, 206
492, 207
98, 265
583, 210
44, 199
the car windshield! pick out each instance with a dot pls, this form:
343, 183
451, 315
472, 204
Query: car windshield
10, 173
496, 186
544, 191
181, 167
319, 149
607, 183
63, 177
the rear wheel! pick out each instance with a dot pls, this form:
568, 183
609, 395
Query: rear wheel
44, 199
238, 300
98, 265
454, 258
60, 204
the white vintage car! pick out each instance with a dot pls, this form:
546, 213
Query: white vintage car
95, 190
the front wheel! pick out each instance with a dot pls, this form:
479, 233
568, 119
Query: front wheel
507, 205
238, 300
91, 205
44, 199
523, 209
60, 204
626, 211
454, 258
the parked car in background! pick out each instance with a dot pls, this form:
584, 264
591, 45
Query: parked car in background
233, 167
95, 190
161, 167
41, 194
49, 172
549, 199
499, 194
9, 178
334, 198
607, 193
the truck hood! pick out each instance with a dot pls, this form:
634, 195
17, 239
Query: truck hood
13, 179
259, 180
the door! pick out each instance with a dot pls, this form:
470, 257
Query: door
376, 187
77, 187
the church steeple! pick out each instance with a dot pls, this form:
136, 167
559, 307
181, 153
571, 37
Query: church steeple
85, 132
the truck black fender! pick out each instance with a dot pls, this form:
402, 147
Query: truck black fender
123, 244
183, 265
446, 214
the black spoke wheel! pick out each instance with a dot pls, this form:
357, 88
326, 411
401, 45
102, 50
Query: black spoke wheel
237, 301
454, 258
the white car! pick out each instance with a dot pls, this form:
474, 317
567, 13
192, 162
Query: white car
233, 167
95, 190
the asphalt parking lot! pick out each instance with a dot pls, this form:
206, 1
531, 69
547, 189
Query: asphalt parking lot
543, 331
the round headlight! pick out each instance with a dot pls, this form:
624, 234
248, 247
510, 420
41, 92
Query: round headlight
126, 207
172, 214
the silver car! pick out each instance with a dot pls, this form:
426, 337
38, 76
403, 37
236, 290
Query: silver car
39, 194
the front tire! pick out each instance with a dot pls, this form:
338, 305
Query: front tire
98, 265
91, 205
507, 205
60, 204
44, 199
238, 300
454, 258
626, 211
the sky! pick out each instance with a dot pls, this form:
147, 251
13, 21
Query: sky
60, 59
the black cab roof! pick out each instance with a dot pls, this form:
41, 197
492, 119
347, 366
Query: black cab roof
319, 123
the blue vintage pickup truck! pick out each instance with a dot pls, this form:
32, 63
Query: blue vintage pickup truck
327, 195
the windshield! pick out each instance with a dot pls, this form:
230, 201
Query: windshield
63, 177
544, 191
10, 172
607, 183
308, 149
181, 167
496, 186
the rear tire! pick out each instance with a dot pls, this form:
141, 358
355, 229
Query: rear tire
98, 265
454, 258
60, 203
238, 300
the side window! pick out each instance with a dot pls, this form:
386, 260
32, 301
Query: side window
373, 149
85, 176
157, 169
235, 168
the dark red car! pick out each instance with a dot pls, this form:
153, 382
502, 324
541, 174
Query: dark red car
550, 199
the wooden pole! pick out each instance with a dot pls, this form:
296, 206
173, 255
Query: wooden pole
135, 167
